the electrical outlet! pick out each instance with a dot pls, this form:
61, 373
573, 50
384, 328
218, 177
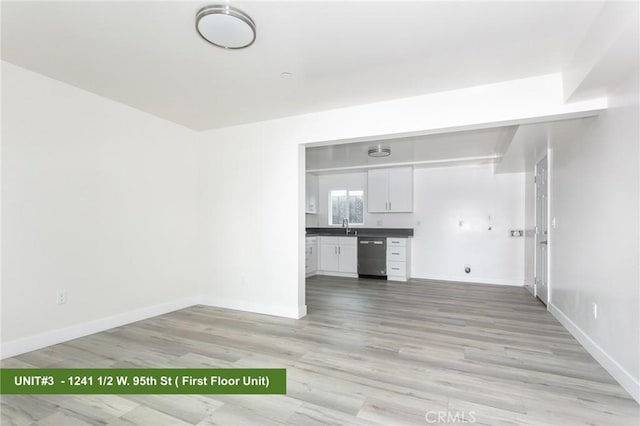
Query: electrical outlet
595, 310
61, 297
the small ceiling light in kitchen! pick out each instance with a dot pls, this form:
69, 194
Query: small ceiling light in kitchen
379, 151
225, 26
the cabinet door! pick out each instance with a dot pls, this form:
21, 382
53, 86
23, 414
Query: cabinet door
377, 190
312, 258
401, 189
329, 260
349, 258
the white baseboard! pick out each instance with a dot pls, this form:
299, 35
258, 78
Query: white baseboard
295, 312
53, 337
302, 311
337, 274
530, 288
474, 280
622, 376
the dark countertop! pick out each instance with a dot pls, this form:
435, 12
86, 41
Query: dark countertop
362, 232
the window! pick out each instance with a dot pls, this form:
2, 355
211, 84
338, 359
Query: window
348, 204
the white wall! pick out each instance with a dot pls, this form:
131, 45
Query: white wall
253, 207
595, 248
99, 199
442, 197
253, 191
441, 247
357, 180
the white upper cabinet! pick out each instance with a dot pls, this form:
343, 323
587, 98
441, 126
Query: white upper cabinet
311, 203
378, 190
390, 190
401, 189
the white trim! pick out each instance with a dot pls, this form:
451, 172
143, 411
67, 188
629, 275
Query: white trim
53, 337
400, 278
490, 159
550, 230
337, 274
472, 280
530, 287
295, 312
302, 311
622, 376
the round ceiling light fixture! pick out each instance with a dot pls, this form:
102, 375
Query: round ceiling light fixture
225, 26
379, 151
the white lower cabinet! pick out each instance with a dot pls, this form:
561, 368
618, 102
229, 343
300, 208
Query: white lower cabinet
398, 259
311, 256
348, 257
338, 256
329, 258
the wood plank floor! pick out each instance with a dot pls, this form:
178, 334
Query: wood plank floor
369, 352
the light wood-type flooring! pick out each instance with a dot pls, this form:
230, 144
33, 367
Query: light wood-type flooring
369, 352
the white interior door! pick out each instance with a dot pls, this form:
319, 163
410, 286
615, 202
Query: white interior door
542, 227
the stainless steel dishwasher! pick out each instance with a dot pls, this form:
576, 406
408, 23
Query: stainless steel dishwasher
372, 257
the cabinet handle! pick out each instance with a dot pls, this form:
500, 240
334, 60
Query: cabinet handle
339, 251
389, 205
397, 254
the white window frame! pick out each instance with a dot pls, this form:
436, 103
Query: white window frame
348, 190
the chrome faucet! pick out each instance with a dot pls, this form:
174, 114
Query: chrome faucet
345, 223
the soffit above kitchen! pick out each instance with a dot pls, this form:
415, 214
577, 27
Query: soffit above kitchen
148, 54
474, 147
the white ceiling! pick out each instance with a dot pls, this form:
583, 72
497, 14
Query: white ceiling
148, 54
530, 142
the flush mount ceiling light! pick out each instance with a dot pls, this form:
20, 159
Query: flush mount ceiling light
379, 151
225, 26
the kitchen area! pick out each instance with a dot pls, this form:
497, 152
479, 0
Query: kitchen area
347, 248
430, 208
